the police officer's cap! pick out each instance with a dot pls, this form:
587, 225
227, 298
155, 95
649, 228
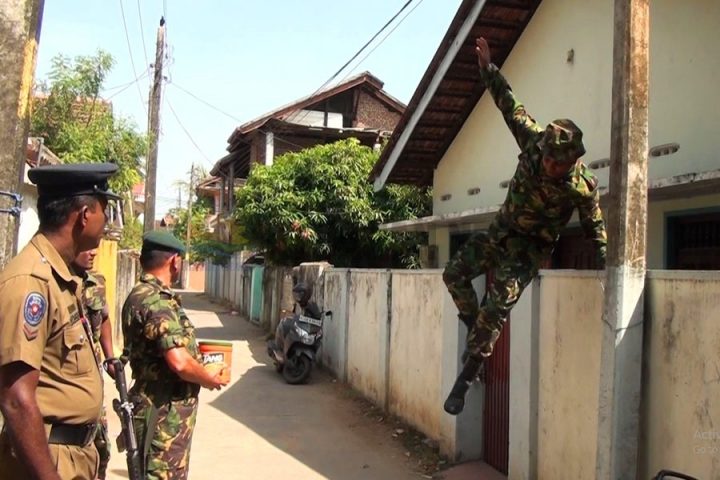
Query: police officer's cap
163, 241
72, 180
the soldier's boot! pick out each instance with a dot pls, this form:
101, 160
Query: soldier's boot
455, 402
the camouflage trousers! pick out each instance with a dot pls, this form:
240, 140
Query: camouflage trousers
510, 263
168, 450
102, 443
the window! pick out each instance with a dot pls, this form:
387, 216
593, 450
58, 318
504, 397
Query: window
693, 242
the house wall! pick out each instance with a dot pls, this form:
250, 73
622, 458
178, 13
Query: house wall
29, 221
682, 73
372, 113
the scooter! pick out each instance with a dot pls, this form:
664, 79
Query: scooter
298, 338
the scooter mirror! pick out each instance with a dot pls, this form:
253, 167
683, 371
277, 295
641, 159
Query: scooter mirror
328, 313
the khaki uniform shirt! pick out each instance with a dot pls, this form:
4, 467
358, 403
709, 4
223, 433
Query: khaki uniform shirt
41, 324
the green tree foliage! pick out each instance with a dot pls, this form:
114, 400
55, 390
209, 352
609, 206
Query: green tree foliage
79, 126
317, 204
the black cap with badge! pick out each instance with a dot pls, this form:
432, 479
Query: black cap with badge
72, 180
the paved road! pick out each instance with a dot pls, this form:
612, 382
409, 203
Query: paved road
261, 428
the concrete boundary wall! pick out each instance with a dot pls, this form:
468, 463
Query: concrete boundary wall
681, 413
368, 334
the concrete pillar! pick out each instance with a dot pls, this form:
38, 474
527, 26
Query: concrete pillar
621, 353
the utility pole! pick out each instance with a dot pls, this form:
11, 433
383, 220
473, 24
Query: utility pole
186, 276
154, 130
622, 338
20, 22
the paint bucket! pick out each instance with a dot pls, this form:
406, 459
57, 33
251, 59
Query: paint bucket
217, 357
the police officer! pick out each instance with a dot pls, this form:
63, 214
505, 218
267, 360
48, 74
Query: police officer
166, 363
97, 313
50, 384
550, 182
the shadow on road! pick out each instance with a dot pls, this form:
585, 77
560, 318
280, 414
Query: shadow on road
318, 424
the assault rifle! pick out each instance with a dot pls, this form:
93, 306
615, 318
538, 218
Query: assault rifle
124, 409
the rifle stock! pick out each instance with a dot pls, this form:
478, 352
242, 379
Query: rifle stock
124, 409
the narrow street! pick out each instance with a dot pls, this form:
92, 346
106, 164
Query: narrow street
261, 428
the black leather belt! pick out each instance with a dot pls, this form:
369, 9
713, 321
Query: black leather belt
79, 435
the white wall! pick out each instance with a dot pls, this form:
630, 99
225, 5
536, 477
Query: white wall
683, 71
368, 333
29, 221
334, 349
682, 375
415, 369
570, 319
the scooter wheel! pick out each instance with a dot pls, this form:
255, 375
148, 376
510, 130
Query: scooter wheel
297, 369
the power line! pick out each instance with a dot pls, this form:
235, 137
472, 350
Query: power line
142, 34
281, 139
327, 82
205, 102
186, 132
383, 39
392, 19
132, 61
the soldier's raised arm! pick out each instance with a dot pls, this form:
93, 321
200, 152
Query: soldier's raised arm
523, 127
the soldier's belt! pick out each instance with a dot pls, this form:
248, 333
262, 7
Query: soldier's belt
78, 435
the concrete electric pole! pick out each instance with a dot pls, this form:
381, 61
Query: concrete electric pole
622, 341
154, 131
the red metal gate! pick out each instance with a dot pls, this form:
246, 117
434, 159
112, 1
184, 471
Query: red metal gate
496, 417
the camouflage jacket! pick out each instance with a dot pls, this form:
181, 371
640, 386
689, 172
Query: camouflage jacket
536, 205
95, 303
153, 321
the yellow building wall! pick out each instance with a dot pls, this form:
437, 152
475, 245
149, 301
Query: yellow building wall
106, 265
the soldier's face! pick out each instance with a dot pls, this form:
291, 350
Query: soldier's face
556, 170
86, 260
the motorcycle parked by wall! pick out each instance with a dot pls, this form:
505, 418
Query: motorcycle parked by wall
298, 338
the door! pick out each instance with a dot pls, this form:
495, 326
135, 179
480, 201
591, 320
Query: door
256, 294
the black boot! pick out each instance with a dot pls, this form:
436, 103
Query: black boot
455, 402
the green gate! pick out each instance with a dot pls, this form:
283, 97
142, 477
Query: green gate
256, 294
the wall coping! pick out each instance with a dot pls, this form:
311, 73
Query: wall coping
569, 273
684, 274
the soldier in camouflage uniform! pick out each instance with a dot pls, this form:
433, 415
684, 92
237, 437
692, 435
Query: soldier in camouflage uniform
96, 311
549, 183
166, 363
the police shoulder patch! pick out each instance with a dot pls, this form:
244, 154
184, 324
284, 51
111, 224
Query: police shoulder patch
34, 309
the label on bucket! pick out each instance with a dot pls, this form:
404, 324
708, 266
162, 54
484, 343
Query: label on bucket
216, 357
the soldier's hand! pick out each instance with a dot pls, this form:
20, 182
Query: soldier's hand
217, 382
110, 369
482, 49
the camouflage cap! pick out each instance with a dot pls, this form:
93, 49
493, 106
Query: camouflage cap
562, 141
161, 240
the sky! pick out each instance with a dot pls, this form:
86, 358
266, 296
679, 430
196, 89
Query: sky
242, 57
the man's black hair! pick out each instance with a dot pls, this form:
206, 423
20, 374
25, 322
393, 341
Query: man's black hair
152, 259
53, 213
